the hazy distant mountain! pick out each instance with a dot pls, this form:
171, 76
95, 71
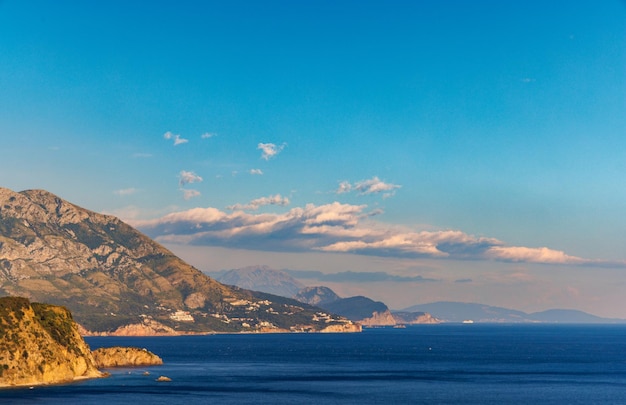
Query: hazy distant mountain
355, 308
360, 309
570, 316
261, 278
460, 311
111, 276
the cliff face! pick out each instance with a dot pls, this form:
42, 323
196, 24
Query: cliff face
384, 318
111, 275
40, 344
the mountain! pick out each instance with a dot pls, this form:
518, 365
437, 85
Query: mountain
460, 311
115, 279
355, 308
318, 296
261, 278
360, 309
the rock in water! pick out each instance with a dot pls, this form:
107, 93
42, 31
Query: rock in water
40, 344
108, 357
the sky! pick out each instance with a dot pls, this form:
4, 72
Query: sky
409, 151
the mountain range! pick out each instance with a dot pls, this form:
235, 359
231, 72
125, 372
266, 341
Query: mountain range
360, 309
373, 313
461, 311
116, 280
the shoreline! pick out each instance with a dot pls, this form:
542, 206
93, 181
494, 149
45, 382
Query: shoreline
104, 374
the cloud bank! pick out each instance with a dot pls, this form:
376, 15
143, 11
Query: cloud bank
336, 228
355, 276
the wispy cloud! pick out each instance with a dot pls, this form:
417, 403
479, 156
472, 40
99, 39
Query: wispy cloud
355, 276
269, 150
186, 177
258, 172
188, 194
125, 191
207, 135
177, 139
259, 202
344, 187
367, 187
338, 228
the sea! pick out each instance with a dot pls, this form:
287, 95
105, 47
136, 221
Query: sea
420, 364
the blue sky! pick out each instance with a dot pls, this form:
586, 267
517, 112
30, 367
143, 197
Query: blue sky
473, 151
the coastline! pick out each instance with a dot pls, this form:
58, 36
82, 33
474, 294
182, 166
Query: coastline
102, 374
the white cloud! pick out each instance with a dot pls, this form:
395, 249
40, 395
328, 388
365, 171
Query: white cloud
344, 187
340, 228
370, 186
188, 194
186, 177
532, 255
259, 202
269, 150
125, 191
177, 139
375, 186
207, 135
256, 172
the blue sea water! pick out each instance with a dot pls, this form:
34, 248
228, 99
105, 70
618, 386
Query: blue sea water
432, 364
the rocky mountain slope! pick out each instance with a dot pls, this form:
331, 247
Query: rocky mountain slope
113, 278
40, 344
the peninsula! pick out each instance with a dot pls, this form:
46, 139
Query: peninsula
41, 344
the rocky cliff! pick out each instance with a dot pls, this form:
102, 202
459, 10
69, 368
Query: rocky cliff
40, 344
116, 280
